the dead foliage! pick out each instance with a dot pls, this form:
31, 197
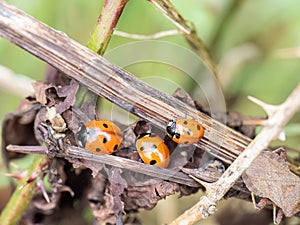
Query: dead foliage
50, 117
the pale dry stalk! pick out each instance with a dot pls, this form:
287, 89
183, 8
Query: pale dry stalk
216, 191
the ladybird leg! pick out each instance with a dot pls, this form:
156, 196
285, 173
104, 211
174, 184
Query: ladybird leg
41, 186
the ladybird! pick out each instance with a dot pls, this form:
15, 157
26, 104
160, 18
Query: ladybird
185, 131
152, 150
102, 137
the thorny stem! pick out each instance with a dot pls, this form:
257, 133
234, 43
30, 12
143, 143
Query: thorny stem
168, 9
24, 192
98, 42
217, 190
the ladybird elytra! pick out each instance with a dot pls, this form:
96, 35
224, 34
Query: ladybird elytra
185, 131
102, 137
152, 150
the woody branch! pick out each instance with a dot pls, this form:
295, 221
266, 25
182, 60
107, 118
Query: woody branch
278, 118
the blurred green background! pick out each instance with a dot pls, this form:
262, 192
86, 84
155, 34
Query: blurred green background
243, 36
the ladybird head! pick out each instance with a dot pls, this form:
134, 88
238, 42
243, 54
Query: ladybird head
143, 135
171, 128
81, 135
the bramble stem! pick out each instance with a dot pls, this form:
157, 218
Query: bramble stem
217, 190
24, 192
100, 38
105, 26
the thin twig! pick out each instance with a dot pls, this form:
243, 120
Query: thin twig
15, 83
113, 83
123, 163
147, 37
167, 8
216, 191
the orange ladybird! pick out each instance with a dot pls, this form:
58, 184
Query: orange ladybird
185, 131
102, 137
153, 150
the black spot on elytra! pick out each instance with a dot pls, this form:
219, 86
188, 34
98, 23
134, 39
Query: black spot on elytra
153, 162
154, 146
116, 147
177, 135
98, 150
186, 142
198, 127
105, 125
185, 122
189, 132
142, 148
104, 140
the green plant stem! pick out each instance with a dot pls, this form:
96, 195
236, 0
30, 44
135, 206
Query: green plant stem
100, 38
105, 26
24, 192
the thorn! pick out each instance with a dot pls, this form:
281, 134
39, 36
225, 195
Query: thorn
16, 166
269, 109
261, 122
203, 183
18, 176
41, 186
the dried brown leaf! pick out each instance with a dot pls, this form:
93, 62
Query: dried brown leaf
69, 93
117, 186
17, 128
39, 88
269, 177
